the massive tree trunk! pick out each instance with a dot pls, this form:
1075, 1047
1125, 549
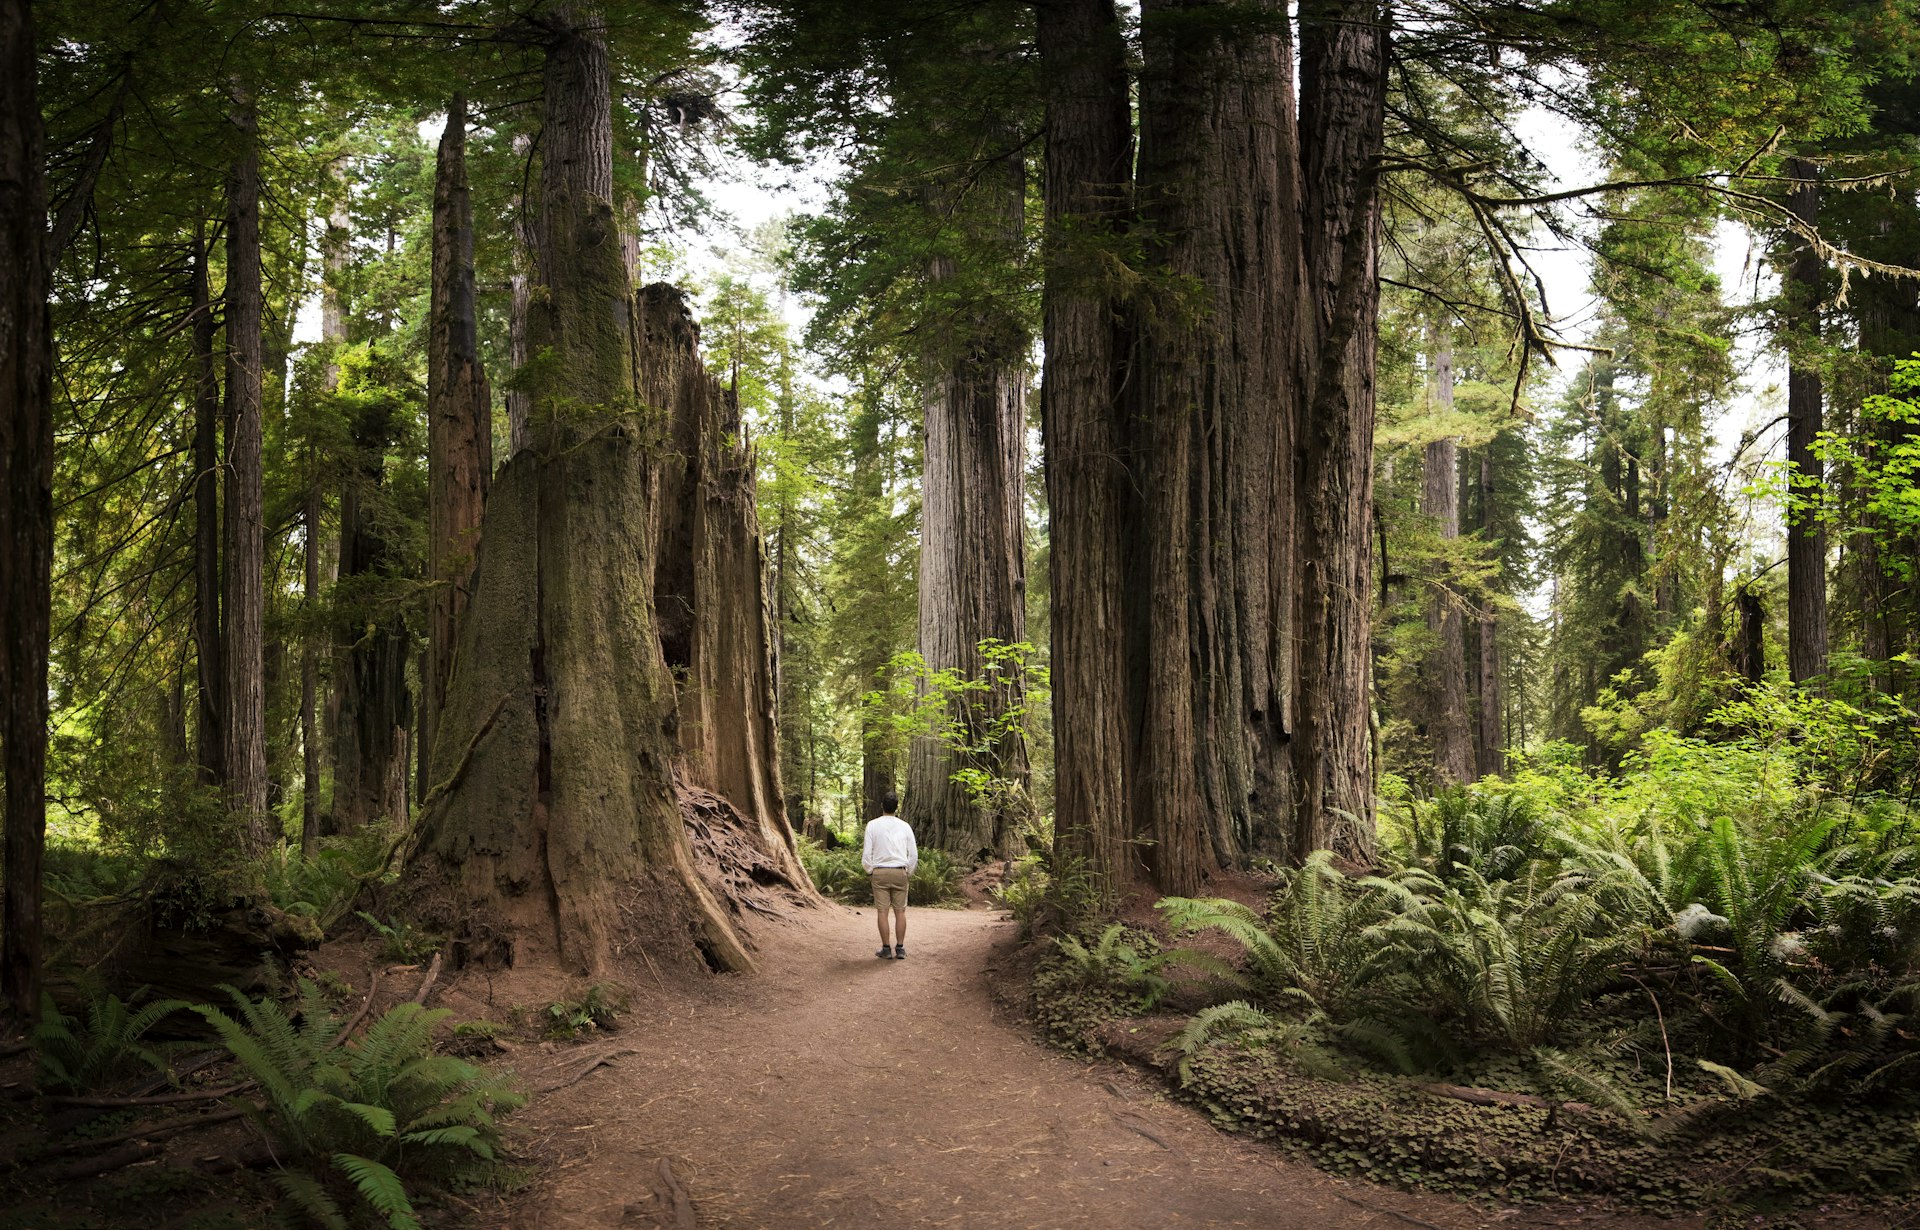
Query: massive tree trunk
209, 648
1806, 536
459, 421
1089, 155
243, 599
552, 825
519, 306
710, 593
1343, 48
1220, 197
972, 538
26, 508
1446, 668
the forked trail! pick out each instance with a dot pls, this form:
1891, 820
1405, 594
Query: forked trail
838, 1090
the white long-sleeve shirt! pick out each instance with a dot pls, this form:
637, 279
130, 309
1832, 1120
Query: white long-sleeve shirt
890, 843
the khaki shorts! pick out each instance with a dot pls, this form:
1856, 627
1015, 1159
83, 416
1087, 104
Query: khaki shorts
890, 887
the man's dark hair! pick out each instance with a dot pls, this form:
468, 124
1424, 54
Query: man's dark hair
889, 802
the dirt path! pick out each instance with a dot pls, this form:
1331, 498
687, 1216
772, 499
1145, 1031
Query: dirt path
839, 1090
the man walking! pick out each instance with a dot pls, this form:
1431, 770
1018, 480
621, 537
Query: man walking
890, 856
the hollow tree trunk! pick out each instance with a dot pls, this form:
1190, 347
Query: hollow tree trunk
26, 508
459, 421
209, 648
1089, 154
243, 598
710, 580
1446, 668
1806, 536
1343, 94
972, 539
552, 824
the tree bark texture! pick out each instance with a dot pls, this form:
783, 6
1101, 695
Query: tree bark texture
1806, 536
1218, 195
243, 598
1448, 722
972, 538
371, 751
1490, 745
1088, 190
26, 507
710, 597
520, 304
552, 823
209, 647
459, 419
1343, 48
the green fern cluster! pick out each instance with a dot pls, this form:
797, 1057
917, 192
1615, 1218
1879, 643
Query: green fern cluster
354, 1123
839, 875
105, 1041
1130, 962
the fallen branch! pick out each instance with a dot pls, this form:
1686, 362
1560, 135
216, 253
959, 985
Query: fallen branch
590, 1065
164, 1099
1132, 1124
86, 1167
373, 985
166, 1127
1409, 1218
426, 987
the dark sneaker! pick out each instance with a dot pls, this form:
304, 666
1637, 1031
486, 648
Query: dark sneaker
899, 952
885, 953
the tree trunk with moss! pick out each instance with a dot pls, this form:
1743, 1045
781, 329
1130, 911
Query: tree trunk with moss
1445, 669
552, 830
710, 596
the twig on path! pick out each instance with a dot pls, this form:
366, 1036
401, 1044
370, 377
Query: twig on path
1133, 1124
676, 1192
426, 987
589, 1066
1409, 1218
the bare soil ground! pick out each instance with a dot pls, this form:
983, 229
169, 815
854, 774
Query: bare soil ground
834, 1089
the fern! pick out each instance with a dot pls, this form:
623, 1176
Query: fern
381, 1188
106, 1041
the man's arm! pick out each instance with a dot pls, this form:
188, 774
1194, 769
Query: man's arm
913, 851
866, 848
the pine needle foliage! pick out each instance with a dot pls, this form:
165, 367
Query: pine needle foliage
354, 1123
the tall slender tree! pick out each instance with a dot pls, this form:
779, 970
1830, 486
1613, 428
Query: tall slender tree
1806, 531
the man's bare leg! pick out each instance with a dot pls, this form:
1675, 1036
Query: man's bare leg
899, 927
882, 912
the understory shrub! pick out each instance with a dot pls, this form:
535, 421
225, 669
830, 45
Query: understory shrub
839, 875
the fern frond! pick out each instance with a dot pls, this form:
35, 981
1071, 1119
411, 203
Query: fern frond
381, 1188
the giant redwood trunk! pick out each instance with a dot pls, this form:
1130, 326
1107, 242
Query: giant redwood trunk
1806, 536
243, 576
1343, 52
1088, 177
459, 420
1445, 669
972, 537
1490, 745
26, 506
552, 827
714, 619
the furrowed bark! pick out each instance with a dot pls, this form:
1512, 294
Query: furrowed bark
552, 827
1343, 93
1088, 176
243, 598
972, 538
710, 597
459, 420
26, 507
